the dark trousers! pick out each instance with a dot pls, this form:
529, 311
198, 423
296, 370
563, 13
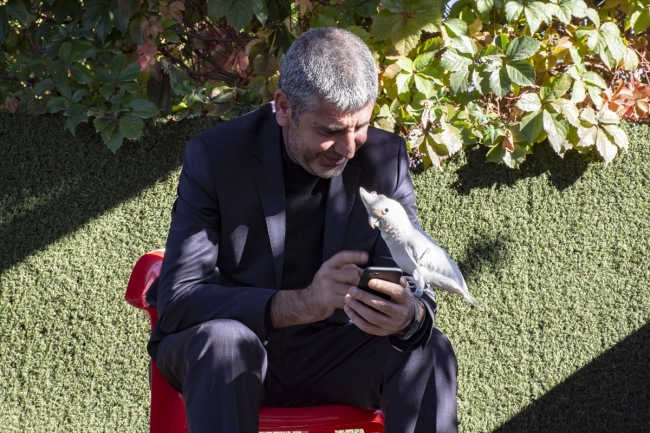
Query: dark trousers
225, 374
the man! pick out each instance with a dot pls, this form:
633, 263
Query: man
257, 296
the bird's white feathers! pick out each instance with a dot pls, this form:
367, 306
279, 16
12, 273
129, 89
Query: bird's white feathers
414, 251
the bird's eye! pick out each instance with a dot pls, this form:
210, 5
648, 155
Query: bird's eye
386, 210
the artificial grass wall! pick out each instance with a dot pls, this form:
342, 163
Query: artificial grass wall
556, 252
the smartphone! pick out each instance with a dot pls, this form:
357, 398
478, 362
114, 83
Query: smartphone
387, 274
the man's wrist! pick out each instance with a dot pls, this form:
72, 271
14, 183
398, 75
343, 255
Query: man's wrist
418, 319
293, 307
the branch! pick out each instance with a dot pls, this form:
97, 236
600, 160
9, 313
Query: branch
209, 38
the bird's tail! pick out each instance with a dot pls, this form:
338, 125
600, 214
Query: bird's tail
472, 300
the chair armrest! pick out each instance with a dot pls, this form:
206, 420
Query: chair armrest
145, 271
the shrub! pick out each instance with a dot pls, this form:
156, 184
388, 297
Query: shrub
503, 74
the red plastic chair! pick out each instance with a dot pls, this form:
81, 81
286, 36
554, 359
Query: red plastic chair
167, 404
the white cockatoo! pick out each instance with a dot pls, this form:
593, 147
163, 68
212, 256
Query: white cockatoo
413, 250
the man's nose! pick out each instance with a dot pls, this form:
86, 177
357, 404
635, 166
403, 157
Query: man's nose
348, 145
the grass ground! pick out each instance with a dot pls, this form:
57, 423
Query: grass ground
557, 252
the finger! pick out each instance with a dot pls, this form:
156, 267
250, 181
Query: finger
369, 314
343, 258
404, 283
348, 274
398, 294
362, 323
371, 300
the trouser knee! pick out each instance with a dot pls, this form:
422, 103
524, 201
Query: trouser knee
221, 349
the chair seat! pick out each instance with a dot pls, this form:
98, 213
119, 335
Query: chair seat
167, 413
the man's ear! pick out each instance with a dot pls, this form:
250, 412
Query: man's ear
282, 110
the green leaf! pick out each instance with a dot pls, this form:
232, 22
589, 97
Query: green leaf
17, 10
612, 38
484, 6
535, 13
404, 81
592, 14
130, 73
79, 73
131, 126
529, 102
64, 52
513, 10
456, 27
594, 78
458, 81
382, 24
521, 72
261, 11
607, 117
560, 85
454, 62
531, 126
239, 13
429, 21
142, 108
522, 48
424, 85
56, 104
618, 136
596, 94
579, 92
365, 8
405, 35
171, 36
500, 82
43, 86
557, 129
114, 141
422, 61
640, 20
464, 44
605, 147
406, 64
496, 152
568, 109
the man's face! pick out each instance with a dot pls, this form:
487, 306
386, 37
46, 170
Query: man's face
323, 141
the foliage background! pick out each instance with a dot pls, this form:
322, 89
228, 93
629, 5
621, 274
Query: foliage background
556, 252
504, 74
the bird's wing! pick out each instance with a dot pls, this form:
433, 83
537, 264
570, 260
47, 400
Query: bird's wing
432, 256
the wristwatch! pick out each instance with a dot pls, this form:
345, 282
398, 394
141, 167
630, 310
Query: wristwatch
415, 326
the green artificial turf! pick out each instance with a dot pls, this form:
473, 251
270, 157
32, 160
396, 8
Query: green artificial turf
557, 252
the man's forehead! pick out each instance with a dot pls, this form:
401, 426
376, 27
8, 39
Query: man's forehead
330, 118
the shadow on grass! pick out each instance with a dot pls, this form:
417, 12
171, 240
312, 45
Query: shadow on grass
52, 182
477, 174
610, 394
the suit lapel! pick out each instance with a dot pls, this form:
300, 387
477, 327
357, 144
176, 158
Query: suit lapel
269, 180
342, 192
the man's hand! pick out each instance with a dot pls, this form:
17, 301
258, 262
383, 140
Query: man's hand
378, 316
323, 296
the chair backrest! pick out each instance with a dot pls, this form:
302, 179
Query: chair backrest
168, 406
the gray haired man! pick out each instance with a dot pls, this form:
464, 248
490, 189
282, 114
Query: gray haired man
258, 299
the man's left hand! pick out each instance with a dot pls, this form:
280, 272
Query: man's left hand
379, 316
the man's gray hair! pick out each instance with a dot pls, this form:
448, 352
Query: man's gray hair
331, 66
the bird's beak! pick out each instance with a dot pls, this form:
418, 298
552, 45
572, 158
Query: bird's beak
369, 199
373, 221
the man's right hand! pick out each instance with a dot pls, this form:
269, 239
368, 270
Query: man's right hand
323, 296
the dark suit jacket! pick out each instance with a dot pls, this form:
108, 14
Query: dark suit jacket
224, 252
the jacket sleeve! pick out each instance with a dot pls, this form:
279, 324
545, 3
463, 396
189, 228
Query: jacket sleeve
405, 194
189, 289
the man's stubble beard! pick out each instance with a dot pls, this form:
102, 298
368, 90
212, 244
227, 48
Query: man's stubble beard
310, 164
